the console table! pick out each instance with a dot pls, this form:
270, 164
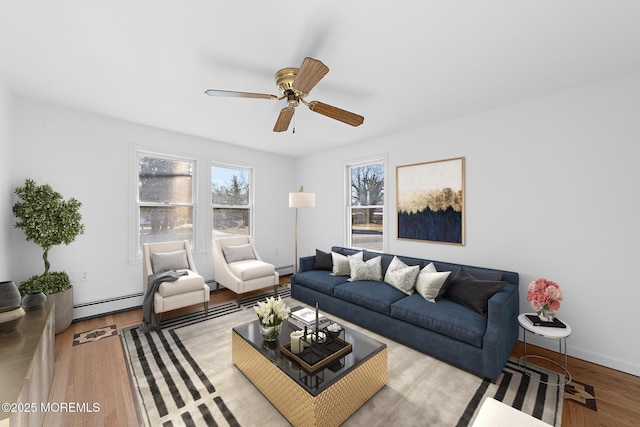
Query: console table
26, 367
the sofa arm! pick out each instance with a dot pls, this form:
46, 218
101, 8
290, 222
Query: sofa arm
502, 329
306, 263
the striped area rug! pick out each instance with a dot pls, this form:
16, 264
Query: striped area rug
172, 389
183, 375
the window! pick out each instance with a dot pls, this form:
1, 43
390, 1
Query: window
165, 199
231, 200
365, 208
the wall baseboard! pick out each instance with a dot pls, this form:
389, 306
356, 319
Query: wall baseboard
111, 305
127, 302
285, 270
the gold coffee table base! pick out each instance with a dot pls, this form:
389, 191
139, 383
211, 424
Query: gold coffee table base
331, 407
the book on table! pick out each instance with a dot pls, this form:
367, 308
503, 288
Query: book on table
536, 321
307, 317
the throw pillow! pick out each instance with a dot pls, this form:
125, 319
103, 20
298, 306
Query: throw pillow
430, 282
238, 253
465, 289
402, 276
323, 261
365, 270
165, 261
341, 264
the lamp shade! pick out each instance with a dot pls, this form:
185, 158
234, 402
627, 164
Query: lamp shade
302, 200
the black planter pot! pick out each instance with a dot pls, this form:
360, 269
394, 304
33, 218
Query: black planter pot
33, 301
9, 294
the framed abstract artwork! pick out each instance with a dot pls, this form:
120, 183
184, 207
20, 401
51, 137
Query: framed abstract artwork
430, 201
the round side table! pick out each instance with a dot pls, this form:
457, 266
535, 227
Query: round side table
560, 334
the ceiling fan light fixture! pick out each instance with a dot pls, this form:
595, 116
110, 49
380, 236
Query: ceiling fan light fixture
295, 84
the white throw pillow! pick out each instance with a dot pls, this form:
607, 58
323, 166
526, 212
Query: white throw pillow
430, 281
341, 263
238, 253
369, 270
165, 261
401, 276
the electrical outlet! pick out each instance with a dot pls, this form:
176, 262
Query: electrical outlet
84, 275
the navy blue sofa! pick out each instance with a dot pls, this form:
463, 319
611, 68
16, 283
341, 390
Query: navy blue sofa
446, 330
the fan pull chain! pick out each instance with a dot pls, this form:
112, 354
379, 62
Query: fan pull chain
294, 121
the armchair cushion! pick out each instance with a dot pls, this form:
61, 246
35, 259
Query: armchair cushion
238, 253
251, 269
190, 282
165, 261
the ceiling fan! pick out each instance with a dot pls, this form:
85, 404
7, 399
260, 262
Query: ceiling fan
295, 84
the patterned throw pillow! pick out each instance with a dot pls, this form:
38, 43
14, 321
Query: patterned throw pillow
401, 276
369, 270
341, 263
430, 281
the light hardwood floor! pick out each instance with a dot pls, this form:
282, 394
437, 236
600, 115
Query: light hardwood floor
96, 373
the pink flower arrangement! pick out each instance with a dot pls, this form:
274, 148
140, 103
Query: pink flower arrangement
544, 294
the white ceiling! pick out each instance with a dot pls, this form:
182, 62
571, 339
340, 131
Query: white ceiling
400, 64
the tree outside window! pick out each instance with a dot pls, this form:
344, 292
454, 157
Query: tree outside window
366, 207
231, 201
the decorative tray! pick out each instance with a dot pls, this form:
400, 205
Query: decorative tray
318, 355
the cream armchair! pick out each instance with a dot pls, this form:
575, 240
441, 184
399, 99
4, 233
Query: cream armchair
187, 290
239, 268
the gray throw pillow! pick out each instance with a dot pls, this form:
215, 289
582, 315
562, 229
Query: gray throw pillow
401, 276
165, 261
365, 270
430, 281
341, 263
238, 253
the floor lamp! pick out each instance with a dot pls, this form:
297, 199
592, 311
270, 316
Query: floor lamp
300, 200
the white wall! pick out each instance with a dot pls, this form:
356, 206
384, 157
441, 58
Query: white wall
551, 191
6, 190
90, 157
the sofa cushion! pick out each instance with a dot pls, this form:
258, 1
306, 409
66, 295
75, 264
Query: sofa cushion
371, 294
238, 253
446, 317
402, 276
165, 261
430, 282
319, 280
248, 269
190, 282
365, 270
471, 292
323, 261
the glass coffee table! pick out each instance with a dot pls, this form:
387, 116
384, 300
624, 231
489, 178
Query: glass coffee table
326, 397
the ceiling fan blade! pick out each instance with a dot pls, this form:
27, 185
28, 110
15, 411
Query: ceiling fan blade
310, 73
282, 124
336, 113
230, 93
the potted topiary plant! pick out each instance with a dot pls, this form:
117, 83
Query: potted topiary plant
48, 220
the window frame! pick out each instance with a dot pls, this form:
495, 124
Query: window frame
251, 196
139, 153
379, 159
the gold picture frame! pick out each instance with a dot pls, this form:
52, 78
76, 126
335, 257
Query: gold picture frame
430, 201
